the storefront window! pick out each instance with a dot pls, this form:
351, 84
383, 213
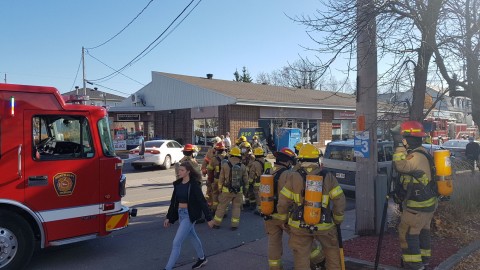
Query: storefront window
205, 130
342, 130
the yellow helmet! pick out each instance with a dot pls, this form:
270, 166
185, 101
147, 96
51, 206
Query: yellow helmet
245, 145
258, 152
243, 138
235, 151
308, 151
255, 137
298, 146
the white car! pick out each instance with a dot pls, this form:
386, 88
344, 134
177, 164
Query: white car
162, 153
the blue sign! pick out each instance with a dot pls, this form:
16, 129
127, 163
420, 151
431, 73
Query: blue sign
362, 144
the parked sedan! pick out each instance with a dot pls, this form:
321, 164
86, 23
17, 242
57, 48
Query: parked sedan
161, 153
457, 150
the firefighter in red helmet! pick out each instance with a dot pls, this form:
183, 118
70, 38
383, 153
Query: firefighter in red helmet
215, 165
415, 192
190, 152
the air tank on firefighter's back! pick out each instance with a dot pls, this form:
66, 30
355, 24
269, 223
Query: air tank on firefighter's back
313, 199
266, 194
443, 167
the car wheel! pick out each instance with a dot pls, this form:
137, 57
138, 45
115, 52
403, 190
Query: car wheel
136, 166
167, 163
16, 241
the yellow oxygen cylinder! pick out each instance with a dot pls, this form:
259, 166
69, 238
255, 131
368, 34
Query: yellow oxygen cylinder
313, 199
266, 194
443, 167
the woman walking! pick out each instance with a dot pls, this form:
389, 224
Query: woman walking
187, 205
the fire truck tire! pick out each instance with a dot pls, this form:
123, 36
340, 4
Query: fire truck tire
17, 242
167, 163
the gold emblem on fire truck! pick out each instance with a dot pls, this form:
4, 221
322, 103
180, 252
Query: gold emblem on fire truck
64, 183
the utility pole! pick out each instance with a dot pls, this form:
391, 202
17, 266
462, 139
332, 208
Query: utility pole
83, 68
366, 172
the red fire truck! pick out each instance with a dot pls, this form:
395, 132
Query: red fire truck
60, 181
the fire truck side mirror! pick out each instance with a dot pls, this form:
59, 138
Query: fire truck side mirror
142, 147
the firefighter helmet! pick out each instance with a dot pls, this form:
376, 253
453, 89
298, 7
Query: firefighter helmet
255, 137
258, 152
298, 146
190, 148
216, 140
243, 138
308, 151
412, 128
235, 151
286, 152
220, 146
245, 145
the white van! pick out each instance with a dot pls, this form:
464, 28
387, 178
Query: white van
340, 161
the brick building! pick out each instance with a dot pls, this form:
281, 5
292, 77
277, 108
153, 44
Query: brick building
196, 109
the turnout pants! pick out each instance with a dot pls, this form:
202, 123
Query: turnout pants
414, 234
301, 241
210, 188
223, 200
274, 230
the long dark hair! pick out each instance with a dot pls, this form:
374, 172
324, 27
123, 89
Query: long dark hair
194, 174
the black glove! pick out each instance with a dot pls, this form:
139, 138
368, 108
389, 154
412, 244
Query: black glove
396, 136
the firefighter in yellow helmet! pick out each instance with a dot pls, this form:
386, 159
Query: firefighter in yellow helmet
274, 223
215, 164
259, 166
232, 180
332, 202
208, 170
190, 152
255, 142
415, 192
240, 140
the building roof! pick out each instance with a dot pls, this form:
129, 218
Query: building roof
256, 94
95, 94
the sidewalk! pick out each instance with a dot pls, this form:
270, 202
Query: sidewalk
253, 255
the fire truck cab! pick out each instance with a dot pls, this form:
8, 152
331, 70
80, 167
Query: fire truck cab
60, 180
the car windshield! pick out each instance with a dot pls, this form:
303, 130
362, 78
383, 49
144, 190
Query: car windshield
153, 144
452, 143
340, 152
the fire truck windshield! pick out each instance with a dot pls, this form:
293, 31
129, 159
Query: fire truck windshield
106, 137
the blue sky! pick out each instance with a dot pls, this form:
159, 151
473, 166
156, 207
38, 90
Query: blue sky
42, 40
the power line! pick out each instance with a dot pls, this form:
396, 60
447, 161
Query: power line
76, 75
91, 83
114, 69
122, 28
143, 54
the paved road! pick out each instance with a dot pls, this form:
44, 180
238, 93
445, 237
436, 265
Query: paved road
145, 244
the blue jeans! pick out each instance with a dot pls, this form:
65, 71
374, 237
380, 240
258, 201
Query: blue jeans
185, 229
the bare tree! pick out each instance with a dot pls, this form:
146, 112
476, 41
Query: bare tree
458, 51
406, 32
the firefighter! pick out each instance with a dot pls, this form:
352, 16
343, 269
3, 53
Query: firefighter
416, 194
190, 152
209, 171
332, 202
255, 142
232, 180
240, 140
274, 224
215, 165
247, 160
259, 166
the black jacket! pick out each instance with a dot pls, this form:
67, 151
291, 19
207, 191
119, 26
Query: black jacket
196, 202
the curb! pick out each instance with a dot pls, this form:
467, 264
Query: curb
457, 257
360, 263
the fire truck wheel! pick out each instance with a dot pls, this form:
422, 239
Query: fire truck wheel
16, 241
167, 163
